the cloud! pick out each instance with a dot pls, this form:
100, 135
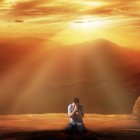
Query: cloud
115, 9
53, 11
1, 1
40, 8
43, 11
43, 8
19, 21
27, 4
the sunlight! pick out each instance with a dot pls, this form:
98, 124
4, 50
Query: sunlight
87, 25
95, 3
11, 1
86, 28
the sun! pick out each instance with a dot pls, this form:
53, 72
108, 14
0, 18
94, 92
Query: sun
87, 24
83, 29
94, 3
82, 24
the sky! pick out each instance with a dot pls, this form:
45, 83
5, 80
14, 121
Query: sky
71, 21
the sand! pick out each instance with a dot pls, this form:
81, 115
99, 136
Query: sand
53, 125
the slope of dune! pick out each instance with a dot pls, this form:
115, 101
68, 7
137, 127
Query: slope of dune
48, 126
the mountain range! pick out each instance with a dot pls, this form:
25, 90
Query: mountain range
38, 79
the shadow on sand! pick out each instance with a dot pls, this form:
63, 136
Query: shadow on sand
63, 135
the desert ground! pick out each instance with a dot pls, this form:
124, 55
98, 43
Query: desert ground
53, 126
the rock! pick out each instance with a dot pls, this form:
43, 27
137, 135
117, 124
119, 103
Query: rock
136, 108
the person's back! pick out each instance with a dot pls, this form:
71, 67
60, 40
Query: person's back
76, 114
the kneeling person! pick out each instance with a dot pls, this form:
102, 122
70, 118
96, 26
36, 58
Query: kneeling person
76, 113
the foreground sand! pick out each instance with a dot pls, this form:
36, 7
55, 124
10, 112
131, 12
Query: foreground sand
52, 126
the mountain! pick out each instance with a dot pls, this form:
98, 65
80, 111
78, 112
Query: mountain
35, 79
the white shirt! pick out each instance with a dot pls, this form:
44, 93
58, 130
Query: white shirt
75, 118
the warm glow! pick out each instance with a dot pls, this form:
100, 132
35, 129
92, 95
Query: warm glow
94, 3
11, 1
88, 24
63, 20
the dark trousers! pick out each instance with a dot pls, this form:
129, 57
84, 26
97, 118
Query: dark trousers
77, 127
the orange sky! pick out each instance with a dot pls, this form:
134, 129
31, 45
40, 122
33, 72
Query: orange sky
72, 21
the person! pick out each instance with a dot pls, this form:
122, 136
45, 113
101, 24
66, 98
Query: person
76, 114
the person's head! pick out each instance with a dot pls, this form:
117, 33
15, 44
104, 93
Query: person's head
76, 101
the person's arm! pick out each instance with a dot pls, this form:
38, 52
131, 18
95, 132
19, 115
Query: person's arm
81, 112
71, 114
81, 115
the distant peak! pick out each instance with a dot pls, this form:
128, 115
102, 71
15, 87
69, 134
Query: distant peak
104, 41
99, 44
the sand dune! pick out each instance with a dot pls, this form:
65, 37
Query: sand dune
19, 126
55, 121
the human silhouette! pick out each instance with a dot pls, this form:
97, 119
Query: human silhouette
76, 114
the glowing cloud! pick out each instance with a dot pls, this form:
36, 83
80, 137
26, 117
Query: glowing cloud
110, 19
